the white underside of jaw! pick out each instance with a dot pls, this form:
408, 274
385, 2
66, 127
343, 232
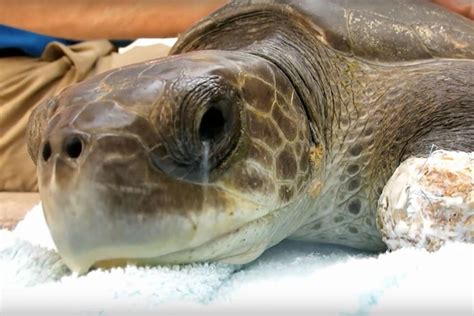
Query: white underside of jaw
229, 248
237, 246
242, 244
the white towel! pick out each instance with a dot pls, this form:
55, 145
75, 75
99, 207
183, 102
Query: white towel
290, 278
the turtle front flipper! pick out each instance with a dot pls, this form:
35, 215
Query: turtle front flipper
429, 201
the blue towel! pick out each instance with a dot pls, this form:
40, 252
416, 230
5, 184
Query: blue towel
33, 44
29, 43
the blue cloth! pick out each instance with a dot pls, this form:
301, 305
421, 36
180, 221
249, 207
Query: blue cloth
33, 44
29, 43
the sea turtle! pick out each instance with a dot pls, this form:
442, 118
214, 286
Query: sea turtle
269, 120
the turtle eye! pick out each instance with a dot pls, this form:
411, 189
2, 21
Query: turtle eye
206, 128
212, 126
218, 126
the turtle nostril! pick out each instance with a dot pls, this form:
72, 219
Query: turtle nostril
73, 147
46, 153
212, 125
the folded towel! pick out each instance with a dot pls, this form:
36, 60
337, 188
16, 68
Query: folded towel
292, 277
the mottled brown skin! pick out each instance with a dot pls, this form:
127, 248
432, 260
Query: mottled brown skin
307, 106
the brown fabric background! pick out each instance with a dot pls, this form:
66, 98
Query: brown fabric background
26, 81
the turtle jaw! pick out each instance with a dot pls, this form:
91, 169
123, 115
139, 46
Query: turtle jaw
84, 241
86, 231
103, 223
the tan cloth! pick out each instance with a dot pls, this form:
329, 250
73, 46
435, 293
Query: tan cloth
26, 81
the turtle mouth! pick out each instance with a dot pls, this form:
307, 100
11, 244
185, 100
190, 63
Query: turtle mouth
109, 224
239, 246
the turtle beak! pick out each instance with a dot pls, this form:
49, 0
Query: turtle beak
91, 222
102, 200
96, 225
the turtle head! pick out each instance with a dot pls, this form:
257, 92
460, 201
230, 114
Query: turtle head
195, 157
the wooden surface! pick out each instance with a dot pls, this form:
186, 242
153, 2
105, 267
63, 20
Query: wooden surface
14, 206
